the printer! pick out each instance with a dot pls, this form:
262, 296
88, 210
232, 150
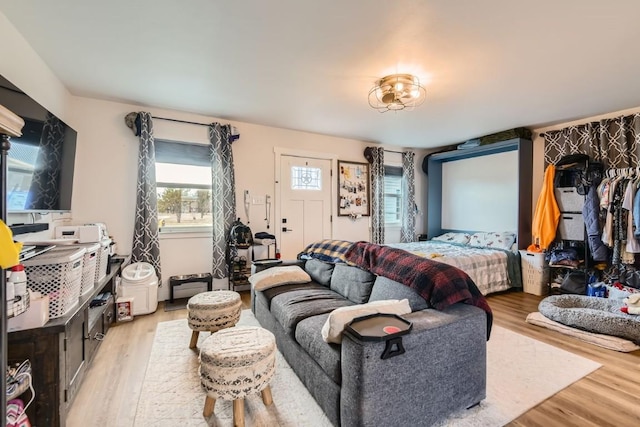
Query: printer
88, 233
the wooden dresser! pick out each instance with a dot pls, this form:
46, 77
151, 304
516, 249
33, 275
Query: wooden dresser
61, 351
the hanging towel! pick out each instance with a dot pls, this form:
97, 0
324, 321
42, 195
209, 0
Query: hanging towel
547, 214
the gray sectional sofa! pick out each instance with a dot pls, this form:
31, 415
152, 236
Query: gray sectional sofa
442, 371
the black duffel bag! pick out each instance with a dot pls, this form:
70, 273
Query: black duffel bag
574, 282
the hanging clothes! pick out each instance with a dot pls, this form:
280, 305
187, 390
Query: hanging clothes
633, 246
591, 213
547, 214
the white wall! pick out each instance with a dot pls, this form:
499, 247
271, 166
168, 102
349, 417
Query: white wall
486, 186
25, 69
106, 160
106, 174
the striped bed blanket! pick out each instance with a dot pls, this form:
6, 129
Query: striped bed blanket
440, 284
491, 269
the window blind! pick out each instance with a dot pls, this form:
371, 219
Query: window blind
392, 194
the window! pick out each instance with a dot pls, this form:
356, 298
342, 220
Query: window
392, 195
183, 181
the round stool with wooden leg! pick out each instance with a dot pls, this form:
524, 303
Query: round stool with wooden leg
212, 311
235, 363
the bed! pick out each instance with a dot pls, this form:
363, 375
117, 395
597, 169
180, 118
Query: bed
493, 265
490, 259
486, 188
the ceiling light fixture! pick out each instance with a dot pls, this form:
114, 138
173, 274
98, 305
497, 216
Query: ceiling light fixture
397, 92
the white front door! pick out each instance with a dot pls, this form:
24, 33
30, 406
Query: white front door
305, 203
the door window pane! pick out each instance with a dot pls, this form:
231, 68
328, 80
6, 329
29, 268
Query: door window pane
306, 178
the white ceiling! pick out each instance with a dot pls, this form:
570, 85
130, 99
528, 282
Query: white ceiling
308, 65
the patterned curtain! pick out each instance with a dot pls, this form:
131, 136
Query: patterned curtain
223, 190
146, 245
45, 185
408, 232
377, 195
614, 142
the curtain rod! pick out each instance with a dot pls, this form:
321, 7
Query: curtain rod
234, 132
180, 121
131, 118
392, 151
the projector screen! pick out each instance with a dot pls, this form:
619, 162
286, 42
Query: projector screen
481, 193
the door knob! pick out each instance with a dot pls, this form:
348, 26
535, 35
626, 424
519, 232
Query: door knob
285, 229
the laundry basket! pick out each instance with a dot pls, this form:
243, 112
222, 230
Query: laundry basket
89, 264
535, 272
57, 274
102, 259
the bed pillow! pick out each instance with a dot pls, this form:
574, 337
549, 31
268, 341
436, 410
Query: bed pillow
498, 240
277, 276
338, 318
462, 238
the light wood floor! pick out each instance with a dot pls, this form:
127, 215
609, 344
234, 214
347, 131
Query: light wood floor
610, 396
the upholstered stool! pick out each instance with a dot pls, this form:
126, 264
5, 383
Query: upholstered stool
212, 311
235, 363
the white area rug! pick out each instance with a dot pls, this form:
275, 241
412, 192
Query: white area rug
522, 372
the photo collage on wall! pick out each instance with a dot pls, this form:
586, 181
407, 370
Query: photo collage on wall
353, 189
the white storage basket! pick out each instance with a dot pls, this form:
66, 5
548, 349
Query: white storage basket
89, 261
57, 273
102, 259
535, 272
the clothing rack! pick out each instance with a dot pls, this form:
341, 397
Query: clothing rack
630, 172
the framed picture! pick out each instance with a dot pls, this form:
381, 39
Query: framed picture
353, 189
124, 309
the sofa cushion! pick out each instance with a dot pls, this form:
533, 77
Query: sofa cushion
291, 307
278, 276
327, 355
385, 288
319, 271
352, 283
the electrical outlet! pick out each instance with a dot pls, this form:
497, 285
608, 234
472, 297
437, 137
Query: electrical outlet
258, 201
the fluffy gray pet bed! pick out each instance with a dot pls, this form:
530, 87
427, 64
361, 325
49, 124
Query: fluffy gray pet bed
592, 314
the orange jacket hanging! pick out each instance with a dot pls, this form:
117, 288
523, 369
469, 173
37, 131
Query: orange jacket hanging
545, 219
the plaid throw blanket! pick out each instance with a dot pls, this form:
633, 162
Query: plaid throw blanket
440, 284
326, 250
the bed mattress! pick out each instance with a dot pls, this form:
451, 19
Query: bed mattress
492, 270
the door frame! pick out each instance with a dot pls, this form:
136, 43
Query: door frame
282, 151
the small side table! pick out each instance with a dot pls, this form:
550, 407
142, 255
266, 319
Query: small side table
381, 327
189, 278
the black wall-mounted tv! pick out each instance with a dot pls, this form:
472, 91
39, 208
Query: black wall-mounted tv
40, 163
